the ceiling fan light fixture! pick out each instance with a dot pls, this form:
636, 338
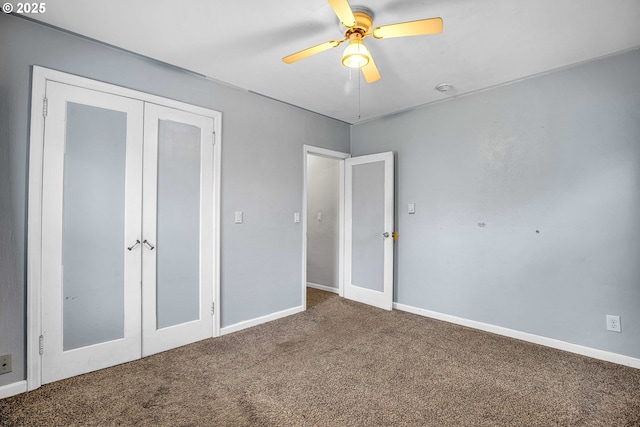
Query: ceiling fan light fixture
356, 55
359, 24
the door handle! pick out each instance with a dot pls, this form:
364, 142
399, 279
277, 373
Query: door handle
148, 245
135, 245
385, 234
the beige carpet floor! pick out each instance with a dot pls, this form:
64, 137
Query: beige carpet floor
341, 363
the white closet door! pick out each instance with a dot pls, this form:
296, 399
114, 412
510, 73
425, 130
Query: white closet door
178, 233
91, 213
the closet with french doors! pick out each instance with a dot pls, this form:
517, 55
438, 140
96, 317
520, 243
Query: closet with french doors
129, 197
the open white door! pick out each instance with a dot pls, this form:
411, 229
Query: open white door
178, 228
369, 213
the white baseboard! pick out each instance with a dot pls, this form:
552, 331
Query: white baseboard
13, 389
525, 336
259, 320
323, 287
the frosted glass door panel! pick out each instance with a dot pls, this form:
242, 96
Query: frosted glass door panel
367, 233
93, 225
178, 238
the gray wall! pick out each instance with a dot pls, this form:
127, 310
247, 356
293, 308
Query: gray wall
527, 203
261, 172
323, 195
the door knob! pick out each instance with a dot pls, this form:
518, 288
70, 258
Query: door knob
385, 234
135, 245
148, 245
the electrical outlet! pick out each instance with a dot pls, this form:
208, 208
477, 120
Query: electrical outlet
5, 364
613, 323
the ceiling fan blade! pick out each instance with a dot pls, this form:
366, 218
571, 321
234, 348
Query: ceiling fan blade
370, 71
412, 28
344, 12
311, 51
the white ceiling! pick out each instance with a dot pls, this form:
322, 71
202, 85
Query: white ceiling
242, 42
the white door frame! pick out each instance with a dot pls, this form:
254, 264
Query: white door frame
34, 238
330, 154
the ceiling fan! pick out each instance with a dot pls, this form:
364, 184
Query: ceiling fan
359, 23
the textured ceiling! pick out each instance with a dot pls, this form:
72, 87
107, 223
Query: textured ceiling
241, 42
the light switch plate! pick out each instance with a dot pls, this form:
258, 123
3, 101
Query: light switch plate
238, 217
319, 216
296, 217
412, 208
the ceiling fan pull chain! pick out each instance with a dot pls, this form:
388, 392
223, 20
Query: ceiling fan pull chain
359, 79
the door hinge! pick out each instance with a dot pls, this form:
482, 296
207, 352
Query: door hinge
45, 107
213, 138
213, 308
41, 345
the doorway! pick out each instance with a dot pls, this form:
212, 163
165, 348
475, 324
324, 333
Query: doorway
323, 220
348, 225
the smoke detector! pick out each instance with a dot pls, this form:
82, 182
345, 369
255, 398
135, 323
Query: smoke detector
444, 87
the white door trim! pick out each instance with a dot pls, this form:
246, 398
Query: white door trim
331, 154
40, 76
